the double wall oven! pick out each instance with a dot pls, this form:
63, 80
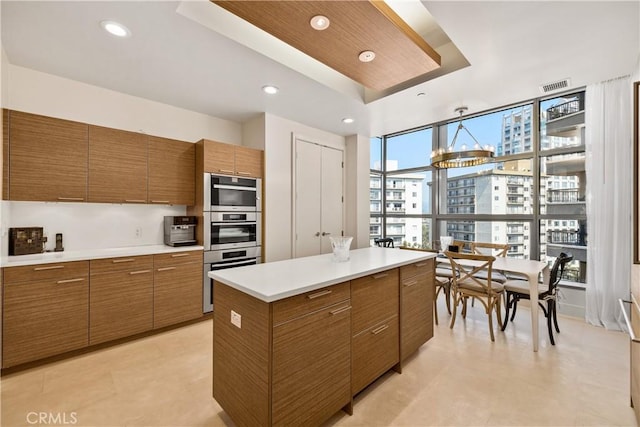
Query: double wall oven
232, 226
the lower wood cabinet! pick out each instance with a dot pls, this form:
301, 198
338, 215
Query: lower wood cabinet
416, 306
49, 309
311, 366
45, 311
121, 297
177, 288
374, 351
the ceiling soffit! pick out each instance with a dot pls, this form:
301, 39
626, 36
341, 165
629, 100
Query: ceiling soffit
356, 26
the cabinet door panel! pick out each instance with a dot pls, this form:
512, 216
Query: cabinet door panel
417, 312
44, 318
172, 175
177, 294
219, 157
121, 304
311, 367
374, 298
117, 166
248, 162
374, 352
48, 158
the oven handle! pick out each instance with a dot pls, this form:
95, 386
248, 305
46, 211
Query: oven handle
233, 187
241, 222
234, 264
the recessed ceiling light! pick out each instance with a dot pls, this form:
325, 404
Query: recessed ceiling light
271, 90
319, 22
347, 120
367, 56
115, 28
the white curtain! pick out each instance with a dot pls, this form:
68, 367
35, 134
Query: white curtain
609, 171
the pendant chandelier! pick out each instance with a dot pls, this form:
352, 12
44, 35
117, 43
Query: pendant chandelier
450, 158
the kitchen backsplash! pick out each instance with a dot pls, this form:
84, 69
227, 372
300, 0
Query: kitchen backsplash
89, 225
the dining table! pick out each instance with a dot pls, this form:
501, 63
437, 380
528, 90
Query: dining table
529, 268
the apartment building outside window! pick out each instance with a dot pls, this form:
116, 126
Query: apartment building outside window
531, 197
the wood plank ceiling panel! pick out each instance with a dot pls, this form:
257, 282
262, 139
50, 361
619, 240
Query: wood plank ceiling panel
356, 26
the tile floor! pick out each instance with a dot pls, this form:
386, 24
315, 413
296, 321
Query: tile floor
457, 378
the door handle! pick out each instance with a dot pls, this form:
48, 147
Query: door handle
325, 234
317, 234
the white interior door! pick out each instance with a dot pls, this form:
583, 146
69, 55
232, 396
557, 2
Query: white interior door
308, 178
332, 197
318, 191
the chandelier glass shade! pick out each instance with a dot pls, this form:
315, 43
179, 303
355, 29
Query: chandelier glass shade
450, 158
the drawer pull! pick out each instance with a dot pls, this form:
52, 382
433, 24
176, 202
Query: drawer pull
410, 283
80, 279
116, 261
340, 310
225, 170
72, 199
319, 294
380, 275
166, 202
166, 268
139, 272
376, 331
421, 264
135, 201
178, 255
53, 267
244, 173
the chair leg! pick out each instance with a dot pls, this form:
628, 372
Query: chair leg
435, 304
498, 314
549, 314
453, 315
555, 316
447, 295
490, 315
507, 304
515, 306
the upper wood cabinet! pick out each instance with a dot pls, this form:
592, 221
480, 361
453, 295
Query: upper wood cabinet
47, 158
172, 175
117, 166
232, 159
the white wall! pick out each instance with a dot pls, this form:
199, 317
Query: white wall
40, 93
357, 190
278, 185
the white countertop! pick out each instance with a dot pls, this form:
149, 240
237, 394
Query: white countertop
273, 281
86, 254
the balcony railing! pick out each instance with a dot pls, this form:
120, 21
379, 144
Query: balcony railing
569, 107
564, 195
567, 237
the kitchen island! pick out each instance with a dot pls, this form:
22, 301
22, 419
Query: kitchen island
295, 340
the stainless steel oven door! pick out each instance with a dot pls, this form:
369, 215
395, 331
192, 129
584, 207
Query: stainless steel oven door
219, 260
229, 230
231, 193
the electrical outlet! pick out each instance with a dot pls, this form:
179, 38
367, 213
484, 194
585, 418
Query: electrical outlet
138, 232
236, 319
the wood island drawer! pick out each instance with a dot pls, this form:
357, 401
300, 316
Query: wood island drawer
374, 352
164, 260
374, 298
111, 265
302, 304
416, 268
58, 271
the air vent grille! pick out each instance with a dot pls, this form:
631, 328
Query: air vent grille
553, 86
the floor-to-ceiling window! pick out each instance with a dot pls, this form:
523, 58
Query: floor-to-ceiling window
531, 196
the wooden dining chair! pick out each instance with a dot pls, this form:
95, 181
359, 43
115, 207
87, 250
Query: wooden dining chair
515, 290
465, 284
495, 249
